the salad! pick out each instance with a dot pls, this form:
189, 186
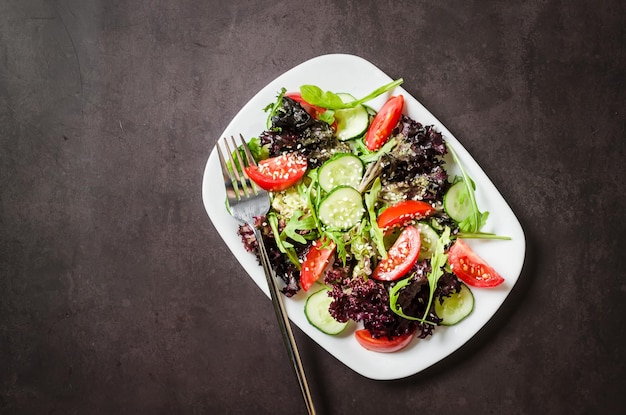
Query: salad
365, 218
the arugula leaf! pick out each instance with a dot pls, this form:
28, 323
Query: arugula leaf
274, 107
313, 196
340, 244
298, 222
394, 294
379, 91
314, 95
481, 235
437, 262
368, 156
470, 227
476, 219
283, 246
375, 232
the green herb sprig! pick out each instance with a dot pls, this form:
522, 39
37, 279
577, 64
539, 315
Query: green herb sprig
273, 107
314, 95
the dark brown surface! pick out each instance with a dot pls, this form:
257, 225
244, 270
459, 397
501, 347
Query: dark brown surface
117, 294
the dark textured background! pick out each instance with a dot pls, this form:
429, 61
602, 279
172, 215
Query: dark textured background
117, 295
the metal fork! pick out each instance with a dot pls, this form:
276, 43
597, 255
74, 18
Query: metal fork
247, 201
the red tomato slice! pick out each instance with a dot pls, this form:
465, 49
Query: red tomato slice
382, 344
403, 212
278, 173
313, 110
316, 260
401, 256
384, 122
470, 268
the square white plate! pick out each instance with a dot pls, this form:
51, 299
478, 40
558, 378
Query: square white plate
352, 74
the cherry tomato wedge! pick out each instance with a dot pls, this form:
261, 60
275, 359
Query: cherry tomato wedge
278, 173
384, 122
316, 260
401, 256
470, 268
382, 344
402, 212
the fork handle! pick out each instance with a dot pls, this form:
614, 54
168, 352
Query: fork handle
283, 322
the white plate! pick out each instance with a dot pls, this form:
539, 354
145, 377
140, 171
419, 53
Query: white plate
347, 73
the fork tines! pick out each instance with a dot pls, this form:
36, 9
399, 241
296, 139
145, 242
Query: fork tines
238, 184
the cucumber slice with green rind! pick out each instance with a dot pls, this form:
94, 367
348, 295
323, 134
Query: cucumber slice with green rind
344, 169
342, 208
456, 202
370, 111
456, 307
316, 312
351, 122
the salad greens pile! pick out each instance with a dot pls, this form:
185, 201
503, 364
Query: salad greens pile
339, 223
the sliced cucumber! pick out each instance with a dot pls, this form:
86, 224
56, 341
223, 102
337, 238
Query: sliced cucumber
316, 312
342, 208
344, 169
456, 307
456, 202
370, 111
351, 122
428, 238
